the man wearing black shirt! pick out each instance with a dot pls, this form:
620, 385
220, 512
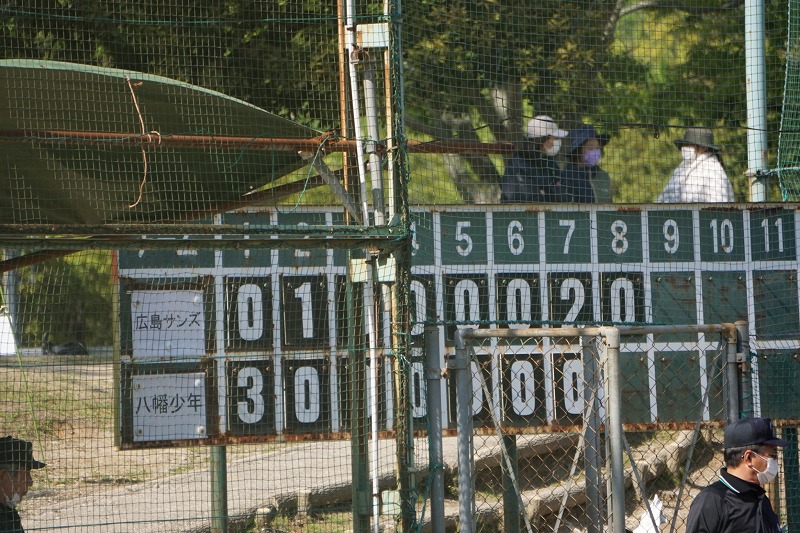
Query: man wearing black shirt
737, 502
16, 463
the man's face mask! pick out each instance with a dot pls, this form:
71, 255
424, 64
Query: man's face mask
769, 473
13, 500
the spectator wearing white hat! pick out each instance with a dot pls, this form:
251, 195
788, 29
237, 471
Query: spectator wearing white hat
700, 176
532, 174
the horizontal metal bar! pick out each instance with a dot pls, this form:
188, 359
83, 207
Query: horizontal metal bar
328, 142
594, 331
56, 231
530, 332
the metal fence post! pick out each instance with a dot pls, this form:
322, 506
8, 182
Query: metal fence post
459, 363
731, 378
592, 459
510, 474
743, 350
219, 490
792, 478
614, 428
433, 396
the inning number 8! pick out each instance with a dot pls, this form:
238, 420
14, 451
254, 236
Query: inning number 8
619, 244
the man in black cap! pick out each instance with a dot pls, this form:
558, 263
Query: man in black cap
737, 502
16, 463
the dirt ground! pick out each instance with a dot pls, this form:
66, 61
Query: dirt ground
74, 435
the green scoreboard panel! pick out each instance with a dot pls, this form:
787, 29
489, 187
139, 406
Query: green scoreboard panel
266, 329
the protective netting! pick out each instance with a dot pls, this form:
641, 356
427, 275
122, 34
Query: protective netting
674, 389
559, 479
122, 377
638, 72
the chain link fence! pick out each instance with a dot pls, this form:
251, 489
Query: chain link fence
543, 408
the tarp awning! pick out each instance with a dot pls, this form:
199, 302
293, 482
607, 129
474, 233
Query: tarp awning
110, 179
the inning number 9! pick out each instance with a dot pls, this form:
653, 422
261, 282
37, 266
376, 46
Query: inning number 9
672, 238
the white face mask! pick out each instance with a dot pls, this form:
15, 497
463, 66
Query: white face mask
553, 148
689, 154
13, 501
769, 473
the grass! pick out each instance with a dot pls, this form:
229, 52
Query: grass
45, 398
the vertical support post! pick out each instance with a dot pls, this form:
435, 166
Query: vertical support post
755, 73
459, 363
744, 375
614, 428
359, 438
373, 131
592, 459
11, 292
404, 417
219, 489
511, 510
731, 380
433, 398
792, 489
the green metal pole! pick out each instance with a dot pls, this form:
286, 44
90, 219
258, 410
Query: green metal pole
792, 476
755, 73
511, 508
219, 490
359, 424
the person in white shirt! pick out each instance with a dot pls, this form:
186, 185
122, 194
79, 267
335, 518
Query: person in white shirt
700, 177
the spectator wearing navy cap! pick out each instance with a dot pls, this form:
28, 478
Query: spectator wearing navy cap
16, 463
737, 502
584, 181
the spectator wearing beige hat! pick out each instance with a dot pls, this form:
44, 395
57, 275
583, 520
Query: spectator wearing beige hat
532, 174
700, 176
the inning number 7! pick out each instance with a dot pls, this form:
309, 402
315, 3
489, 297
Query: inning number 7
571, 225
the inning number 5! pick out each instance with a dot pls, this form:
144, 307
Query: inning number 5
465, 246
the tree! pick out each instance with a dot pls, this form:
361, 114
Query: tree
69, 299
640, 70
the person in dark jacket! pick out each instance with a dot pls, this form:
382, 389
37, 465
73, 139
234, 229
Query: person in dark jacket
16, 463
583, 180
532, 174
737, 502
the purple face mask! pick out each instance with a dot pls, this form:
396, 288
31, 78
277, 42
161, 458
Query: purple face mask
592, 157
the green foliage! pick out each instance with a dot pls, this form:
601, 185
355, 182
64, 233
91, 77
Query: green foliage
280, 56
641, 72
68, 298
474, 70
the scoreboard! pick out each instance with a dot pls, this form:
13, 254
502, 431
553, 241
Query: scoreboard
253, 343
